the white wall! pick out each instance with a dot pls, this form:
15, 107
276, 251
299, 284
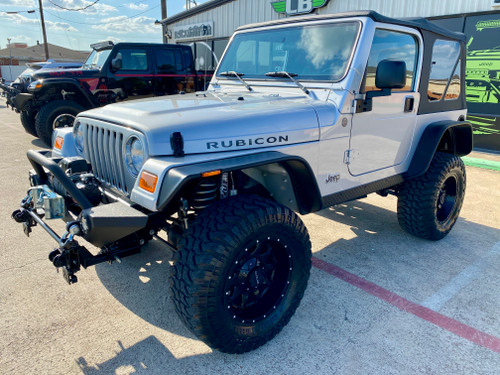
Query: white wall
10, 72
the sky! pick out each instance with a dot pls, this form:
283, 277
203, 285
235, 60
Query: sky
127, 21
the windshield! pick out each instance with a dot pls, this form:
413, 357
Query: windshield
320, 52
97, 59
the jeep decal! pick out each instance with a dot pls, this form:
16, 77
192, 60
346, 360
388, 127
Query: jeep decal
246, 142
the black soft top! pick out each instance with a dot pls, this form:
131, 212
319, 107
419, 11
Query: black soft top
416, 23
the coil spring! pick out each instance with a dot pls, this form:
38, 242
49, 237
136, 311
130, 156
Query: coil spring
205, 194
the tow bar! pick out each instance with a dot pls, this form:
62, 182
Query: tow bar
71, 256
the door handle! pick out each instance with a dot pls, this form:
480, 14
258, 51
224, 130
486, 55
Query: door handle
409, 103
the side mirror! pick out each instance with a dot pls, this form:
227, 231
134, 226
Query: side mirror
390, 75
116, 63
2, 80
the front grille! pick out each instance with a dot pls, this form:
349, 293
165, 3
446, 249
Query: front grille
105, 152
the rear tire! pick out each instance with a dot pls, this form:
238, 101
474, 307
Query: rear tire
55, 114
429, 205
28, 122
240, 272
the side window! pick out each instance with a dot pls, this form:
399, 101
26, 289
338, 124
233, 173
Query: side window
444, 79
169, 61
392, 45
133, 59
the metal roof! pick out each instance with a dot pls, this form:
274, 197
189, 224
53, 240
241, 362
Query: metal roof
418, 23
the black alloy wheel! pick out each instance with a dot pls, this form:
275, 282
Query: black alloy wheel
258, 280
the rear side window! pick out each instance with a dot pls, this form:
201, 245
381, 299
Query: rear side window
444, 79
169, 61
133, 59
392, 45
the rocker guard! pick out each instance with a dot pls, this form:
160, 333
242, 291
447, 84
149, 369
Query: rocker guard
102, 224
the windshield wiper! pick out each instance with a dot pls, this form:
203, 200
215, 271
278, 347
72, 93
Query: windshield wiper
284, 74
232, 73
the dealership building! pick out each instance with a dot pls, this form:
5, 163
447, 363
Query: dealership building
208, 27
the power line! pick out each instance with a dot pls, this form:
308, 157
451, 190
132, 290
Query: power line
100, 24
74, 9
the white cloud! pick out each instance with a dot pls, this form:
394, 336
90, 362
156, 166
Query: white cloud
98, 8
19, 3
124, 25
22, 39
137, 6
22, 20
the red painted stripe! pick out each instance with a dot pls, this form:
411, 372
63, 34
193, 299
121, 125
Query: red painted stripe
460, 329
155, 75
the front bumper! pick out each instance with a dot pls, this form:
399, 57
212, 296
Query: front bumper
116, 227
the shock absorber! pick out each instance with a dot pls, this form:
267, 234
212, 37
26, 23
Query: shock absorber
205, 193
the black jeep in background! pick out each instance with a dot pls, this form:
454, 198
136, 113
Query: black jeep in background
112, 73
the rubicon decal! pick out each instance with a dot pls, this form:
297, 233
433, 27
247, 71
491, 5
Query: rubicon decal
292, 7
230, 143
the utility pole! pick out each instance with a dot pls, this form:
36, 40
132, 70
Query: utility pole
10, 64
163, 16
43, 31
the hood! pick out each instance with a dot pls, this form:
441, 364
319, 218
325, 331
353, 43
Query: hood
64, 73
213, 122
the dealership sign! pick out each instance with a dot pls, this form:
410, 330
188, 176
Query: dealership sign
195, 31
292, 7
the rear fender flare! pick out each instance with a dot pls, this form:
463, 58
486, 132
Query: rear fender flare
454, 137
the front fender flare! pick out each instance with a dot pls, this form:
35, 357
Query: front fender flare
302, 178
87, 100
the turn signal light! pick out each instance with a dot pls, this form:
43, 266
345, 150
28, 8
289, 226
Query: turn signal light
148, 181
211, 173
59, 143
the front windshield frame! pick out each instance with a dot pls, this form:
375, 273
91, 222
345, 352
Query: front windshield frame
97, 58
260, 76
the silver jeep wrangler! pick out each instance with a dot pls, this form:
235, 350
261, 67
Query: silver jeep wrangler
301, 114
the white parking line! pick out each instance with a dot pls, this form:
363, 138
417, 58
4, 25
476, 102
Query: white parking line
464, 278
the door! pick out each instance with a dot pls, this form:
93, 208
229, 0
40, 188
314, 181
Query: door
381, 137
134, 79
171, 75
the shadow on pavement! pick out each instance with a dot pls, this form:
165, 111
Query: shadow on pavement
145, 357
141, 284
39, 143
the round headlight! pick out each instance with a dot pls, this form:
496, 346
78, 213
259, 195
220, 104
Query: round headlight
134, 155
78, 137
35, 85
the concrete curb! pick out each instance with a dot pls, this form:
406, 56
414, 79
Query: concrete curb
481, 163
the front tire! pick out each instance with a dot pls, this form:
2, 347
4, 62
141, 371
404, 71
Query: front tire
55, 114
429, 205
240, 272
28, 122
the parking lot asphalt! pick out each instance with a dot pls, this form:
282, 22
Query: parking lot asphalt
379, 301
